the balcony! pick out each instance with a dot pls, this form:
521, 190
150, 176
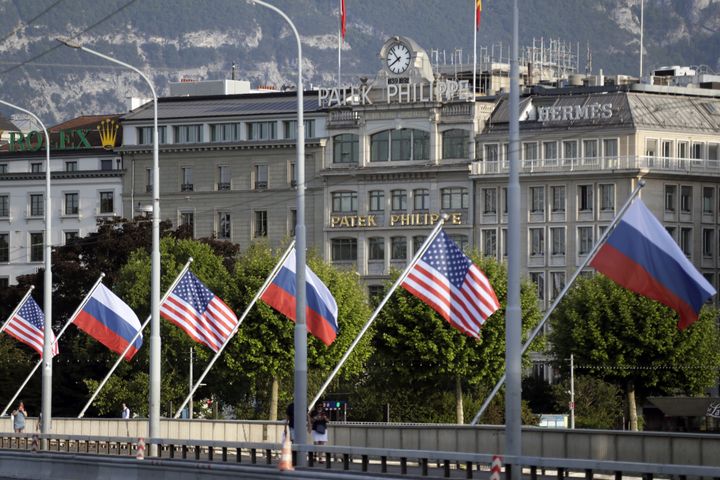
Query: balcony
186, 187
223, 186
148, 188
600, 164
261, 185
343, 118
456, 110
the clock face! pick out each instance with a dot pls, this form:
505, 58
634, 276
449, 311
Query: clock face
398, 58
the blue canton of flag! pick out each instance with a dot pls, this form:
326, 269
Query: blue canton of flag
452, 285
28, 326
194, 308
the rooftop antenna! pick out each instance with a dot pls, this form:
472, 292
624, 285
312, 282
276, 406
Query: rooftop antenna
234, 68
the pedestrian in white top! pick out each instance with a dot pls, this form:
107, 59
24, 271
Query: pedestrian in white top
125, 411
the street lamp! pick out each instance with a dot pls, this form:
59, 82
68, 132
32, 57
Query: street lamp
300, 327
154, 410
46, 404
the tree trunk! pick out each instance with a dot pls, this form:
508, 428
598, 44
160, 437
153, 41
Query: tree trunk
632, 407
274, 399
459, 415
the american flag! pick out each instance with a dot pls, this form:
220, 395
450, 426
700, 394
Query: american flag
28, 326
194, 308
453, 286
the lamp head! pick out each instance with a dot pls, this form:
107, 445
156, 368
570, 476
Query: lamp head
68, 42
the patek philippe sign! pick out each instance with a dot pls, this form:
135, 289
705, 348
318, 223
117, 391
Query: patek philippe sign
394, 220
398, 90
566, 113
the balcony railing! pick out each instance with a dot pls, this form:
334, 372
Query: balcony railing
666, 164
223, 186
343, 118
186, 187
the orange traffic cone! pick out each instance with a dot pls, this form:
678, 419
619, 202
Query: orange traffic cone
285, 464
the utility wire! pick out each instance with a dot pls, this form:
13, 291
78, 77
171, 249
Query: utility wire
29, 22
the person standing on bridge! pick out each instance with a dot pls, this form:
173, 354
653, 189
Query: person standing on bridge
125, 412
19, 415
318, 422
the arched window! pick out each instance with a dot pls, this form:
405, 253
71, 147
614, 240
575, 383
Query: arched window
400, 145
455, 143
345, 148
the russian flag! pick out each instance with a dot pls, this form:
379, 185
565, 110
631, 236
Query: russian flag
321, 310
110, 321
641, 256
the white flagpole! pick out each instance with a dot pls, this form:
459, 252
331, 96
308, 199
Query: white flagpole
57, 338
375, 313
550, 310
259, 293
19, 306
142, 327
475, 29
340, 40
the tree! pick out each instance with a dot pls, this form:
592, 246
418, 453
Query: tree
263, 351
418, 354
598, 404
633, 342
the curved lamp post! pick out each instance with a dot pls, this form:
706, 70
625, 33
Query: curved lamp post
154, 410
301, 301
46, 404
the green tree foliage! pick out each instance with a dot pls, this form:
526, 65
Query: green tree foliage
263, 350
633, 342
598, 404
419, 356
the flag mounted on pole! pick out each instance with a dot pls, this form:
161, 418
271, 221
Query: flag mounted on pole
321, 311
453, 286
343, 18
110, 321
641, 256
194, 308
478, 12
28, 326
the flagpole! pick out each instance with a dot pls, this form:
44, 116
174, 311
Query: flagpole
559, 298
132, 342
259, 293
57, 338
375, 313
19, 305
340, 43
475, 30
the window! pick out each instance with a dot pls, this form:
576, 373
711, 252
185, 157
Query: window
686, 240
71, 166
346, 148
557, 237
530, 151
682, 149
37, 205
290, 129
454, 197
187, 179
260, 224
590, 149
421, 199
558, 199
489, 242
343, 249
696, 151
223, 230
557, 283
455, 143
188, 133
145, 135
585, 198
537, 242
187, 219
585, 240
70, 237
225, 132
489, 200
550, 151
460, 240
3, 168
538, 278
504, 192
667, 149
670, 201
570, 150
106, 164
708, 242
4, 206
344, 202
607, 197
375, 294
107, 202
708, 200
537, 199
492, 153
36, 247
685, 199
399, 145
418, 241
4, 247
223, 177
261, 177
503, 239
398, 248
148, 180
377, 201
610, 147
376, 248
398, 200
261, 131
293, 175
293, 222
671, 232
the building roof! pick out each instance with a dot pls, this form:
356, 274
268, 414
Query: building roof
7, 125
225, 106
90, 121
